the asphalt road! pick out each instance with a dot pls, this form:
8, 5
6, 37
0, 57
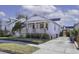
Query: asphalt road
17, 42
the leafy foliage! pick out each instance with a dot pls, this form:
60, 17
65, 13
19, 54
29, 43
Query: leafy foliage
74, 32
17, 26
38, 36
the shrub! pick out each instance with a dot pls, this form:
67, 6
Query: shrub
61, 33
42, 36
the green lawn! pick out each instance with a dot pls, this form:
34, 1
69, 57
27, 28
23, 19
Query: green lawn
17, 49
7, 37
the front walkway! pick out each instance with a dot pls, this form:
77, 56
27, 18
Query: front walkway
60, 45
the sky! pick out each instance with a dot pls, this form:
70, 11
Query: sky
69, 14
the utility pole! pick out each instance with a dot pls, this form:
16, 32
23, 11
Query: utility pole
26, 25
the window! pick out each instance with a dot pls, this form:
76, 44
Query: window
33, 26
37, 25
46, 25
42, 25
29, 25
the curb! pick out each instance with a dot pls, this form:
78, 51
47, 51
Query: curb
76, 45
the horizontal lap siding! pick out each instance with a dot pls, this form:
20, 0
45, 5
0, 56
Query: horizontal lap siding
36, 31
53, 31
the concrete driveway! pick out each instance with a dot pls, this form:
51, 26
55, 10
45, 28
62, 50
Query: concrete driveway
60, 45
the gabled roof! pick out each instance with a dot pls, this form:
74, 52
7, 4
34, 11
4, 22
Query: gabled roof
38, 17
35, 18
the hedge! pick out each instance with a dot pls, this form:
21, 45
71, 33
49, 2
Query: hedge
36, 36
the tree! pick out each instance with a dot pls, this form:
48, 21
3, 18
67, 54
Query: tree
17, 27
21, 16
19, 24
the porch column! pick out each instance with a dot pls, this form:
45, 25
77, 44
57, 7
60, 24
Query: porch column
35, 25
44, 27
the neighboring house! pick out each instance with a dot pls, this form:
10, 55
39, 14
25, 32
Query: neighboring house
76, 26
38, 24
69, 27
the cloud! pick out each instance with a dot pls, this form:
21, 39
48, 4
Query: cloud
2, 13
50, 11
56, 14
40, 9
73, 12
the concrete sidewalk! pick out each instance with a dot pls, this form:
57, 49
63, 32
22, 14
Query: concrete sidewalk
60, 45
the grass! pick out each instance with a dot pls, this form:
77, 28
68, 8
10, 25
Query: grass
7, 37
17, 49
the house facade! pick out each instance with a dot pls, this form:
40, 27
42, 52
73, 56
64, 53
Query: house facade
42, 25
38, 24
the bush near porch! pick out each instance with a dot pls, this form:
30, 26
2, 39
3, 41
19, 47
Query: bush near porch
17, 49
38, 36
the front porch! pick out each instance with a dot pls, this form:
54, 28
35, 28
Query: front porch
37, 27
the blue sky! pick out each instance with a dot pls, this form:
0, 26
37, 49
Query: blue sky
67, 7
10, 10
71, 11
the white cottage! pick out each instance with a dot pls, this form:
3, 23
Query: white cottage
38, 24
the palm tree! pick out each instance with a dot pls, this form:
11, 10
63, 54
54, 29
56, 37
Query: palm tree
17, 27
21, 16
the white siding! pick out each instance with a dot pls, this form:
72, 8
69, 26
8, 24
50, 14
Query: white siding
53, 29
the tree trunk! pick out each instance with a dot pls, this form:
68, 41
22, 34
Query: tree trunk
20, 33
